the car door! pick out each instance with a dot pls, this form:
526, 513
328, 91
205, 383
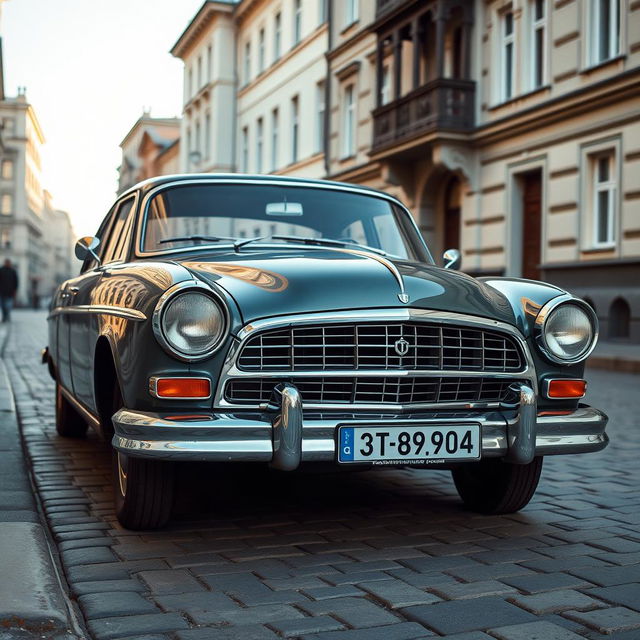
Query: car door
84, 325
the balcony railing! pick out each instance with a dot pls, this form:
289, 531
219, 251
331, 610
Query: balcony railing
385, 6
445, 104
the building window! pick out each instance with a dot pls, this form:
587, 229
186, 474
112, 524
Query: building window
323, 11
604, 199
619, 319
297, 22
197, 147
259, 144
277, 37
274, 139
351, 12
190, 92
209, 64
207, 135
199, 72
385, 89
261, 51
538, 9
507, 57
7, 169
320, 116
349, 122
247, 62
6, 204
189, 147
245, 149
605, 25
5, 238
295, 127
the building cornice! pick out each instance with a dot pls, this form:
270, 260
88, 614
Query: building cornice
202, 19
143, 121
349, 42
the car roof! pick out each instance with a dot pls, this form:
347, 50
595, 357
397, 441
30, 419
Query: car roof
151, 183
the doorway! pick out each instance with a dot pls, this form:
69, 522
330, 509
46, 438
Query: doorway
531, 224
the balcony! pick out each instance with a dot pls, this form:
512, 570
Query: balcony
387, 6
444, 104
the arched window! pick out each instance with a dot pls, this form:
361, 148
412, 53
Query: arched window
619, 318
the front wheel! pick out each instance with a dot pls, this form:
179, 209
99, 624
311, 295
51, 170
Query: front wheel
143, 491
495, 487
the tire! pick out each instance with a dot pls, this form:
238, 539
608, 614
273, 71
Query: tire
69, 423
143, 491
495, 487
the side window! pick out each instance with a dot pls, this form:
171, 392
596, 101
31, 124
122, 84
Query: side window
102, 233
115, 247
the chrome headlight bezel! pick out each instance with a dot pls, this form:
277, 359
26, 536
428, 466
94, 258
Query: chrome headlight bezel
542, 318
168, 296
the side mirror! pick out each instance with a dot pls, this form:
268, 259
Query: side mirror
87, 247
452, 259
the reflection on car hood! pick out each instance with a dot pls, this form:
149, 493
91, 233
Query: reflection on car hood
269, 282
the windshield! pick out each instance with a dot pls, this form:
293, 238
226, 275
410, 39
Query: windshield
215, 214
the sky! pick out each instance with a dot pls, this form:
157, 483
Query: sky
90, 67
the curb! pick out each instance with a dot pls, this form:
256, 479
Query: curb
33, 603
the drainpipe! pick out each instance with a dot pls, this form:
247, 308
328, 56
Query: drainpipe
327, 93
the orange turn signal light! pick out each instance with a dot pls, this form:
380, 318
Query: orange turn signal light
178, 388
566, 388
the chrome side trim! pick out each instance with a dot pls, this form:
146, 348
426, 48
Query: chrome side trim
153, 387
231, 371
521, 434
287, 428
541, 319
81, 409
101, 309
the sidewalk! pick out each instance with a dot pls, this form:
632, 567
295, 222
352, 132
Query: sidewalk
616, 356
32, 602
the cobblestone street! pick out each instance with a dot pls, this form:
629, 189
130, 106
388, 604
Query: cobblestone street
379, 555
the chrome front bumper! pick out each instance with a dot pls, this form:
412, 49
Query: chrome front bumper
282, 436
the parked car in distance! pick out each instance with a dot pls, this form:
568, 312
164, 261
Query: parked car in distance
289, 322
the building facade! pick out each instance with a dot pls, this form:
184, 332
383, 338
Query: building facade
150, 148
511, 128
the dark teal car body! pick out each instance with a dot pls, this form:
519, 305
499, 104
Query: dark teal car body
108, 348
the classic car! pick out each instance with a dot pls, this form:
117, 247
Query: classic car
294, 322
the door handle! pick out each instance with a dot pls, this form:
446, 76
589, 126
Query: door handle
73, 290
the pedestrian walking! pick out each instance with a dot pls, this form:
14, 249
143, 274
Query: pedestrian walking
8, 288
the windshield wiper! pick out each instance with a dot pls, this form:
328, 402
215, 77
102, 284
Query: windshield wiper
329, 242
198, 238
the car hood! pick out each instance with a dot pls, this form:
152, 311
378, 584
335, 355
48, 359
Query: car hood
271, 282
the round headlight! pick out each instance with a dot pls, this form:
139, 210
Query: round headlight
568, 332
191, 324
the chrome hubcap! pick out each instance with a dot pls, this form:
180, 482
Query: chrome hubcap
122, 474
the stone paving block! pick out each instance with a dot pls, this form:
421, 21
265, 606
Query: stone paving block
144, 550
103, 605
103, 586
326, 593
261, 614
356, 612
295, 582
468, 615
607, 620
400, 631
620, 559
627, 595
463, 591
534, 631
551, 565
470, 635
170, 581
199, 600
241, 632
303, 626
355, 577
553, 601
617, 545
87, 556
111, 570
433, 565
102, 541
109, 628
609, 576
546, 582
422, 580
396, 594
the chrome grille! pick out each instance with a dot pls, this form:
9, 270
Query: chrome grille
334, 347
376, 390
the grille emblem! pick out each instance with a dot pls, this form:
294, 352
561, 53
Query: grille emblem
401, 346
403, 297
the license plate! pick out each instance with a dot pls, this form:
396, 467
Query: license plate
408, 445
